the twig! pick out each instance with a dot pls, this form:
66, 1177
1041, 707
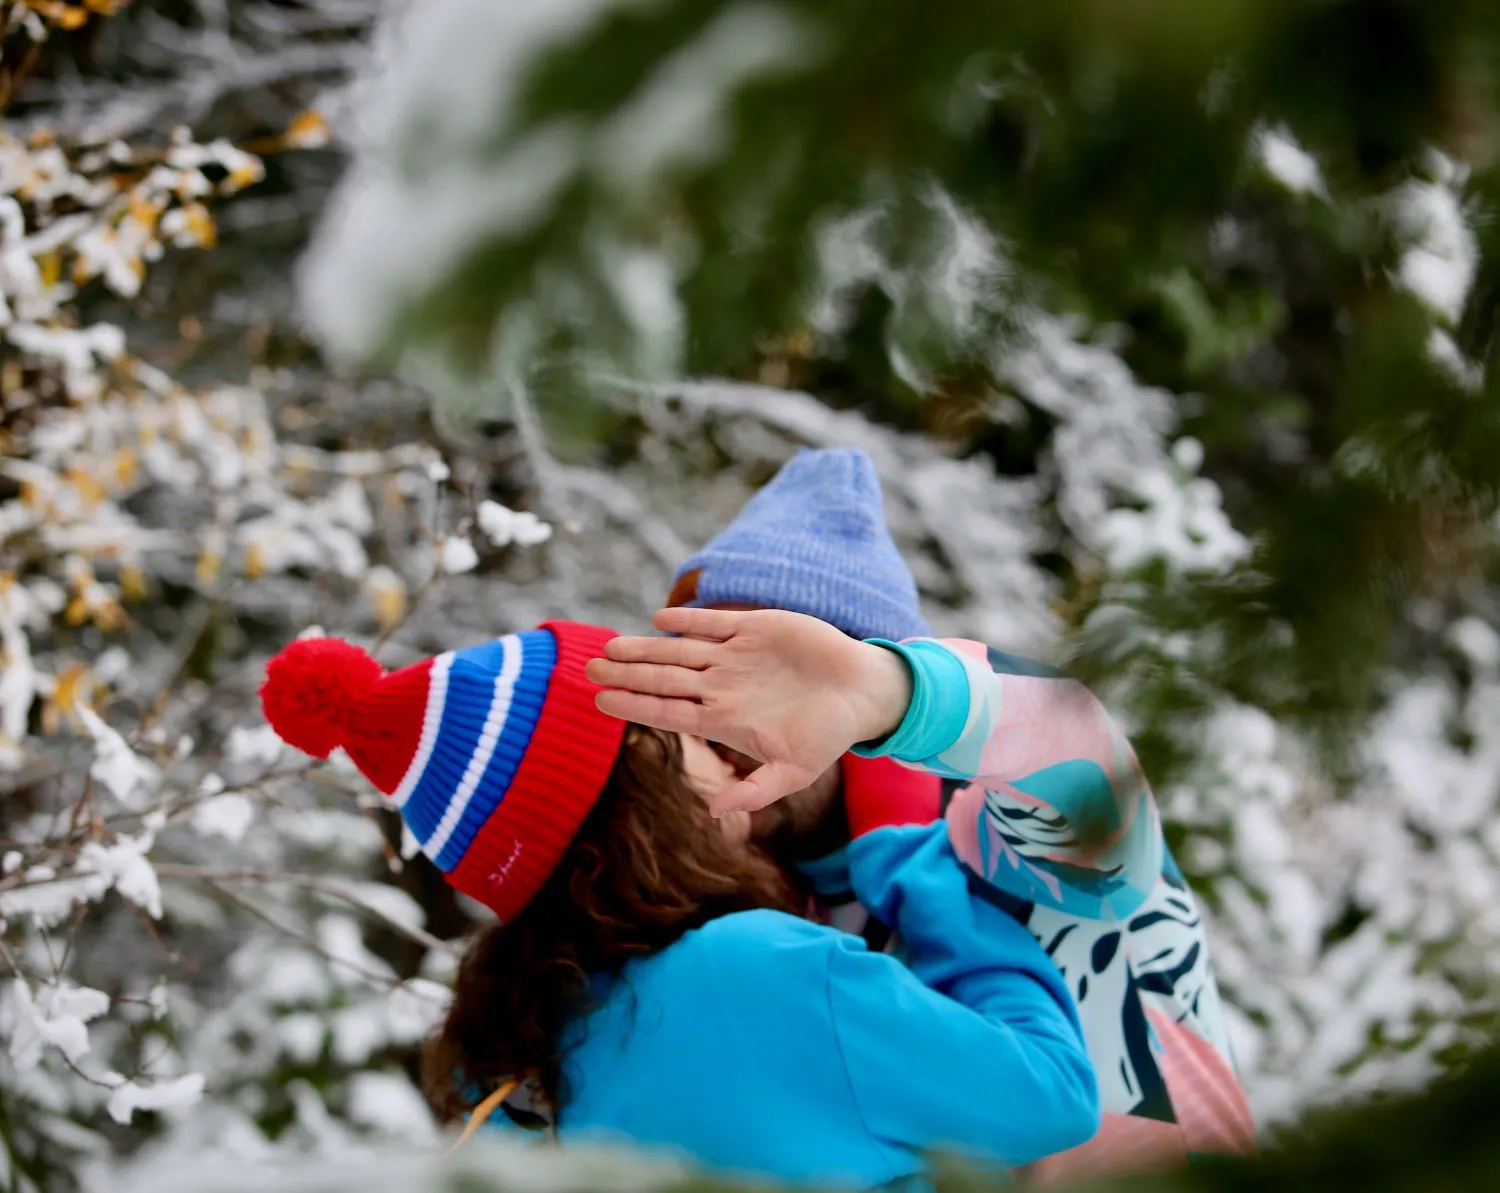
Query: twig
534, 444
79, 914
308, 882
10, 959
51, 958
11, 79
92, 1080
21, 975
302, 938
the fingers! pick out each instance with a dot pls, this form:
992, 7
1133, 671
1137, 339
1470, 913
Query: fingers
678, 716
717, 625
647, 679
761, 788
677, 652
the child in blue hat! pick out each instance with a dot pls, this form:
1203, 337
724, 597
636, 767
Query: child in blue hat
1121, 922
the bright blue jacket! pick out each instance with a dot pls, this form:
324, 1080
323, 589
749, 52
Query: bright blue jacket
768, 1045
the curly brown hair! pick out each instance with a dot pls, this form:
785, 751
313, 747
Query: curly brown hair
648, 865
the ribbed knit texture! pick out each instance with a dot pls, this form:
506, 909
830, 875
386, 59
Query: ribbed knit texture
814, 541
494, 755
386, 726
565, 766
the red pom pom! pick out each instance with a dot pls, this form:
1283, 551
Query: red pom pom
311, 689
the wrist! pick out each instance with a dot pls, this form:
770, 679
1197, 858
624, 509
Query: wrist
885, 691
938, 705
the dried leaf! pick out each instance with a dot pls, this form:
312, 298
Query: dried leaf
209, 563
199, 225
50, 266
132, 582
309, 130
127, 467
255, 561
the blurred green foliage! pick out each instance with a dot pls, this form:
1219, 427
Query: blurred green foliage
1108, 151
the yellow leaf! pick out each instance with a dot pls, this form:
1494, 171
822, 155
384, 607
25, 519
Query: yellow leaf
145, 211
69, 18
255, 561
209, 563
109, 617
50, 266
77, 611
72, 688
200, 225
253, 439
309, 130
245, 174
390, 605
132, 582
800, 343
88, 488
127, 467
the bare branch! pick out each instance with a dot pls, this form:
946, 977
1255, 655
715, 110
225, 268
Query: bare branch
332, 888
302, 938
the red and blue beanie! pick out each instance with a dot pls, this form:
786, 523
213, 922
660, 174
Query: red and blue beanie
494, 755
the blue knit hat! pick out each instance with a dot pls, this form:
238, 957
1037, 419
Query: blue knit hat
814, 541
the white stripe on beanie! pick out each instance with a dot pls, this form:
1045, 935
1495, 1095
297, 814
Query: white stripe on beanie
484, 749
432, 721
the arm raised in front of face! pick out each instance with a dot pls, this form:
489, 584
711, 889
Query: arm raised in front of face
1056, 809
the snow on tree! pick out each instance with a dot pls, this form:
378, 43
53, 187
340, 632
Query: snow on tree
1171, 337
184, 909
1170, 340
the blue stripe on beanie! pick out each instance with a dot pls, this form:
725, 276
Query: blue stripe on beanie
815, 541
471, 684
522, 699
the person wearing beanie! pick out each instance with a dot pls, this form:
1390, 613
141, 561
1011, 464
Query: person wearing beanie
644, 978
813, 541
1137, 960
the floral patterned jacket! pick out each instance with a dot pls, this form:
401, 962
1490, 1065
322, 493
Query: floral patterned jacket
1050, 812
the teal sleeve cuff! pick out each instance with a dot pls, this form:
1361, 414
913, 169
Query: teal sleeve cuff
939, 707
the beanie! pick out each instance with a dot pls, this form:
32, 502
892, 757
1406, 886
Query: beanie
814, 541
493, 755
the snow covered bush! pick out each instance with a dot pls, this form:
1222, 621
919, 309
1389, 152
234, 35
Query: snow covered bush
1179, 374
185, 912
1172, 339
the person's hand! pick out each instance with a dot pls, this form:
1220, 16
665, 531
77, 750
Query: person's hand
788, 690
